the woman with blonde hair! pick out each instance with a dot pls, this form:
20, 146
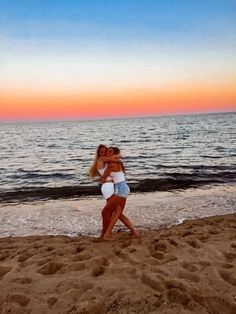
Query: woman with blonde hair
115, 203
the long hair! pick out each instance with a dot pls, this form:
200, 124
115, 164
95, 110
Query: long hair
93, 172
116, 151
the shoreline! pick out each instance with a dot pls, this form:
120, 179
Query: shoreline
185, 268
170, 183
146, 210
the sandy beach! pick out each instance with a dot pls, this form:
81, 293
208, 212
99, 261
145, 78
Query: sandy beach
188, 268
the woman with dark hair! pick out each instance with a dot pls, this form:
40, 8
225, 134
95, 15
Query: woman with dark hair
115, 171
115, 203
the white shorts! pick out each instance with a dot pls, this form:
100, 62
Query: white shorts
107, 189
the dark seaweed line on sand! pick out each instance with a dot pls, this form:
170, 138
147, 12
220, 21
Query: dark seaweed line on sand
146, 185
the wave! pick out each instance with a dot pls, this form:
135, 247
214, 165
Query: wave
169, 182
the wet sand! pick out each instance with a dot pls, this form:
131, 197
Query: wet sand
188, 268
82, 216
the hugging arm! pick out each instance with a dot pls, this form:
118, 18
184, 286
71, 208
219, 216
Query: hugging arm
112, 162
113, 158
106, 173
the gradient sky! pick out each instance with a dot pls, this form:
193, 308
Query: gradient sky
69, 59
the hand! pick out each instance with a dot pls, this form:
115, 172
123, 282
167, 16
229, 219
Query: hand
102, 179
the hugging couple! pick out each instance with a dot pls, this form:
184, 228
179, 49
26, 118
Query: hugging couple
109, 167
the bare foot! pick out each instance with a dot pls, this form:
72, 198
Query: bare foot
107, 238
136, 234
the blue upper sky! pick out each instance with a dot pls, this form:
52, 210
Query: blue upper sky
119, 20
104, 47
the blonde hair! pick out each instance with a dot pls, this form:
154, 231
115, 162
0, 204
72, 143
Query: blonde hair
93, 172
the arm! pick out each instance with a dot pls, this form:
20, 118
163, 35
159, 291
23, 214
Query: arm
106, 173
113, 158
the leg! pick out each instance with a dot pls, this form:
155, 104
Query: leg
129, 224
119, 215
113, 220
112, 203
126, 221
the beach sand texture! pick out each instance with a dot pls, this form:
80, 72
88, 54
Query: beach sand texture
188, 268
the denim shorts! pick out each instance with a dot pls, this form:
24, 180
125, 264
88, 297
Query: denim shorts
122, 189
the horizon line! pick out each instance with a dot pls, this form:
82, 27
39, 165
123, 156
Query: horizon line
51, 120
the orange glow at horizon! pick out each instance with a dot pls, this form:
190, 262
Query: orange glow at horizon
128, 102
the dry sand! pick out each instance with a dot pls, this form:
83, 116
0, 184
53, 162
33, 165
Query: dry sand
189, 268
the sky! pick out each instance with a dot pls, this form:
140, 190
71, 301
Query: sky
81, 59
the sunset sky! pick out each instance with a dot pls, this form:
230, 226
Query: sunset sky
72, 59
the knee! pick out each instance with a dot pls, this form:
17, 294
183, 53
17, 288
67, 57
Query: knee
118, 212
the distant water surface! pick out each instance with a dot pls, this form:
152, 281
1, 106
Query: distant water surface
51, 160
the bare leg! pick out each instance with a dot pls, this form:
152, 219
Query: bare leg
112, 223
112, 203
111, 213
127, 222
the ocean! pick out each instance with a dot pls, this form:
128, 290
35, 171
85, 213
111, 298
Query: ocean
178, 167
51, 160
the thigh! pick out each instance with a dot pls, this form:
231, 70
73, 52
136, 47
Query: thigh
112, 203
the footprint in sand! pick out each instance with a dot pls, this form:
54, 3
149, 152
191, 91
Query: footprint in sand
50, 268
103, 261
188, 276
204, 238
160, 246
20, 299
51, 301
228, 276
189, 267
3, 256
24, 257
233, 245
75, 249
79, 248
156, 284
125, 244
22, 281
99, 266
75, 267
63, 286
81, 257
186, 233
158, 250
175, 284
173, 242
82, 286
49, 249
227, 265
177, 296
130, 270
119, 253
158, 255
196, 244
91, 307
4, 270
216, 304
169, 258
43, 261
204, 263
97, 270
230, 256
132, 250
159, 271
213, 231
